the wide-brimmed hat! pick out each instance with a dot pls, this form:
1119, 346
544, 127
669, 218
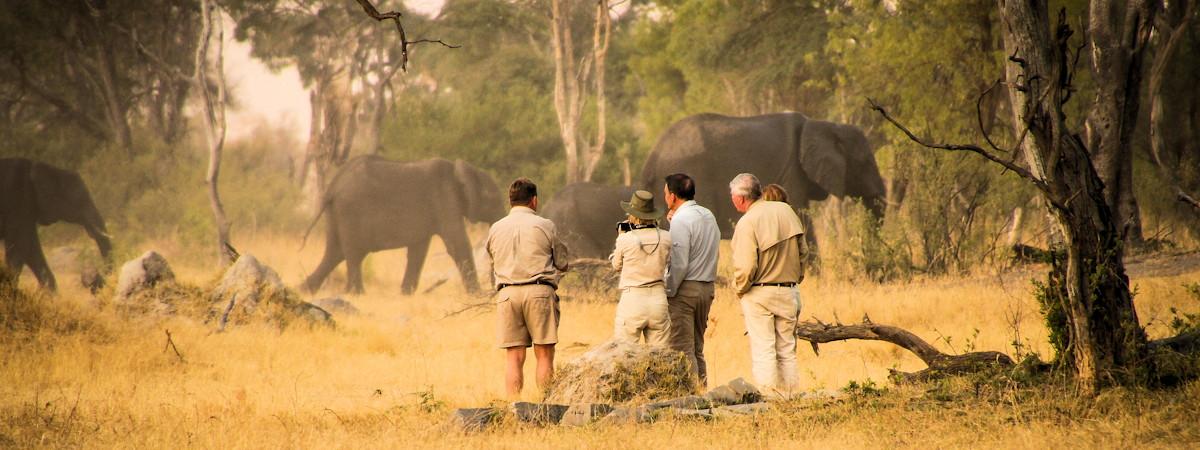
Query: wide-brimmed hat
641, 205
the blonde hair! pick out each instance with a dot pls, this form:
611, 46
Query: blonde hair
775, 193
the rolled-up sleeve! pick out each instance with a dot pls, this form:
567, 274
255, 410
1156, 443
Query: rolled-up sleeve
617, 258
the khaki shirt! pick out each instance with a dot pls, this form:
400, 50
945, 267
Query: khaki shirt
523, 247
641, 256
768, 246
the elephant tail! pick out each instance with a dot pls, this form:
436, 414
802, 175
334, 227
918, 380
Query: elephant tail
320, 212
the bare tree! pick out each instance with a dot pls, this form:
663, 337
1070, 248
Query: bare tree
570, 79
1173, 140
1106, 340
1118, 33
209, 76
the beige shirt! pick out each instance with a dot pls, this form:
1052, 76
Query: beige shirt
523, 247
641, 256
768, 246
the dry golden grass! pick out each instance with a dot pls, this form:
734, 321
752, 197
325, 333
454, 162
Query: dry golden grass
389, 377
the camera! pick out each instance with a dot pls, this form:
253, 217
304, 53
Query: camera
625, 225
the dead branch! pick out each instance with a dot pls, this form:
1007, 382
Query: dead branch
171, 345
404, 42
939, 363
434, 286
1187, 199
1024, 173
468, 307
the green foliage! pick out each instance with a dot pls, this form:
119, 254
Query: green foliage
1052, 300
1184, 322
866, 388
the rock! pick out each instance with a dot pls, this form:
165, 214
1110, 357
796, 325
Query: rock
618, 371
581, 414
143, 274
742, 410
736, 392
250, 291
685, 413
337, 305
91, 279
538, 413
629, 414
689, 402
474, 419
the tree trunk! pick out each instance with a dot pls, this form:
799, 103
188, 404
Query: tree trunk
1118, 32
1106, 339
214, 115
566, 84
600, 38
1173, 141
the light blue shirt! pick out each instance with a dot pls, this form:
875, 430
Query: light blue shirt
695, 239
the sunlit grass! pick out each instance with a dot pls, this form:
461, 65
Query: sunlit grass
387, 377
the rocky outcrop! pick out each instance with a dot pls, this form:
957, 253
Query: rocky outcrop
147, 286
251, 291
143, 274
618, 371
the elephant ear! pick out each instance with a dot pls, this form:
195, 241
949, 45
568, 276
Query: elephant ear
822, 158
864, 179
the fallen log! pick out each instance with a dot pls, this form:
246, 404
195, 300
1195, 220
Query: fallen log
940, 364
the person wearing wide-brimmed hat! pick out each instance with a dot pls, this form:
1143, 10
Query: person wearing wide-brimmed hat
641, 255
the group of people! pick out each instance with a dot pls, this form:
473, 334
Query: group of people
666, 277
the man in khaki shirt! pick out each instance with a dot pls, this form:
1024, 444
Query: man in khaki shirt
768, 263
527, 260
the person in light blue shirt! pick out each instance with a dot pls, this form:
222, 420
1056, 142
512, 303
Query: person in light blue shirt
695, 239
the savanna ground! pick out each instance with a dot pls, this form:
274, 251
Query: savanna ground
85, 376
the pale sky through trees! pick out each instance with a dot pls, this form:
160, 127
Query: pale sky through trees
276, 98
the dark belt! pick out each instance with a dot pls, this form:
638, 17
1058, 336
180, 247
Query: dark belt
775, 284
541, 282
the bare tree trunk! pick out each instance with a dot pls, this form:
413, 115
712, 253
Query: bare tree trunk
1118, 32
600, 39
1173, 140
567, 104
214, 115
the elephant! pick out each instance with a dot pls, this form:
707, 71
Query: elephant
376, 204
34, 193
811, 159
586, 214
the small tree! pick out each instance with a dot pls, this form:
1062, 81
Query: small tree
1106, 341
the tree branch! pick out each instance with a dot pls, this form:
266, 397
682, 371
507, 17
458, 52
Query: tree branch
1021, 171
404, 42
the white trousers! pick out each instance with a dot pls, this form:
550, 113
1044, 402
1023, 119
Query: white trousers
642, 314
770, 313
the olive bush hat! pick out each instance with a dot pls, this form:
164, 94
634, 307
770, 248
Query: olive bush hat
641, 205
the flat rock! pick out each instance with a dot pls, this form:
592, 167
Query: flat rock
581, 414
618, 371
736, 392
742, 410
538, 413
142, 274
474, 419
689, 402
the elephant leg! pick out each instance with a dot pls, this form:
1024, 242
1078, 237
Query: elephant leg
30, 251
354, 282
333, 257
13, 257
412, 270
459, 248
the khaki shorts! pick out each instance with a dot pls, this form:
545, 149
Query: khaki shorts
526, 314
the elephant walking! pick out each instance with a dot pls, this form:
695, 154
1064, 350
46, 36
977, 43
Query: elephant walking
34, 193
811, 159
376, 204
586, 215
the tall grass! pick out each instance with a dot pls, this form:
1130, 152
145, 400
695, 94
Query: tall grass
87, 376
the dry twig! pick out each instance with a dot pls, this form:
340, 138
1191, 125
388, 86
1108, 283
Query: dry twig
171, 345
404, 42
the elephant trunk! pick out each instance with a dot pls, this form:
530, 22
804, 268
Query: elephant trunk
94, 224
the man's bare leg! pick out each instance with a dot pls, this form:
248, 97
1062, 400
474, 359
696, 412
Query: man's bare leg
545, 364
514, 376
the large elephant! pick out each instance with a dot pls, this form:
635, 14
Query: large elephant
585, 215
811, 159
34, 193
377, 204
